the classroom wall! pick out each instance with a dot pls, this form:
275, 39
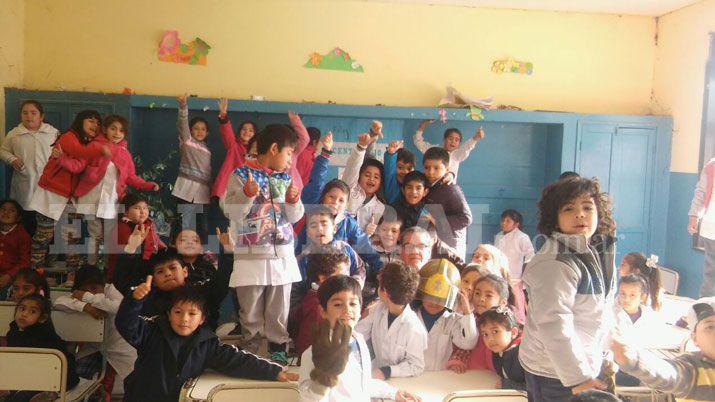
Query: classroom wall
12, 49
583, 62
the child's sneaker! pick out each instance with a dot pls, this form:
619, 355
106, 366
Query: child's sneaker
279, 357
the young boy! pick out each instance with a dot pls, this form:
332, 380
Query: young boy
457, 150
175, 346
398, 337
446, 325
364, 178
262, 205
386, 238
410, 207
514, 243
398, 162
334, 368
691, 375
306, 315
445, 202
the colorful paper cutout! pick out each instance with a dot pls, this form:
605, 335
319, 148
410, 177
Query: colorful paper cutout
336, 59
172, 50
475, 113
442, 115
509, 65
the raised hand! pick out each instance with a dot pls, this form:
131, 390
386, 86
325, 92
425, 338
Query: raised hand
330, 354
225, 239
366, 139
393, 146
371, 226
292, 194
222, 107
328, 141
182, 100
136, 238
425, 123
479, 134
463, 306
293, 115
18, 164
250, 186
96, 313
142, 290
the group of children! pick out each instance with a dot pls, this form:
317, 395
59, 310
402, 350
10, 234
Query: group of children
377, 255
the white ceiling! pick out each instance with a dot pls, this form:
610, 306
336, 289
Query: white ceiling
652, 8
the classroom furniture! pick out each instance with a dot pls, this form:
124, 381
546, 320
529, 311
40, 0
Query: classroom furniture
522, 152
496, 395
211, 383
272, 392
642, 394
46, 369
669, 279
434, 386
673, 308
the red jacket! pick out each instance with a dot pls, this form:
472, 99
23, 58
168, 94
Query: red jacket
14, 250
305, 316
305, 163
235, 157
94, 169
56, 178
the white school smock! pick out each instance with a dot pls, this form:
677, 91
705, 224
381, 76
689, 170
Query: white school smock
48, 203
401, 346
356, 202
355, 383
451, 329
34, 148
455, 157
517, 247
101, 201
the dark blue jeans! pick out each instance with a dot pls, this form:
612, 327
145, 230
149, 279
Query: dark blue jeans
545, 389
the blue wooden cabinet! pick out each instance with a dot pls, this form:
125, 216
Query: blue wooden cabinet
521, 153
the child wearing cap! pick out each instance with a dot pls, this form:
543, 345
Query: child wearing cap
691, 375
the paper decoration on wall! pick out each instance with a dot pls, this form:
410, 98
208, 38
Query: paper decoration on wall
475, 113
172, 50
442, 115
454, 98
336, 59
509, 65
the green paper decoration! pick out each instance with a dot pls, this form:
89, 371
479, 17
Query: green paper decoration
336, 59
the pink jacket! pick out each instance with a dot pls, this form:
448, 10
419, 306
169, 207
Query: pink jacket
94, 169
236, 151
305, 163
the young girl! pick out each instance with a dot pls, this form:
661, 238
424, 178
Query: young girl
201, 266
33, 328
494, 260
458, 151
489, 291
191, 189
26, 148
637, 263
236, 147
104, 180
469, 275
501, 334
57, 184
570, 282
14, 244
28, 281
90, 294
364, 177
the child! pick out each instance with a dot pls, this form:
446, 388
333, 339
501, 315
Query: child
26, 148
446, 204
469, 275
335, 194
386, 238
447, 326
457, 150
637, 263
201, 265
57, 184
306, 158
410, 207
236, 147
192, 184
14, 244
135, 216
176, 346
570, 285
689, 376
398, 162
489, 291
33, 328
515, 244
334, 367
28, 281
262, 204
364, 178
501, 335
306, 315
90, 294
494, 260
104, 180
398, 337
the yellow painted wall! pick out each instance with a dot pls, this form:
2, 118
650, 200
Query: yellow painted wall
583, 63
12, 45
679, 78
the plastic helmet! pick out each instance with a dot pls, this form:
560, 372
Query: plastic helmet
439, 283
